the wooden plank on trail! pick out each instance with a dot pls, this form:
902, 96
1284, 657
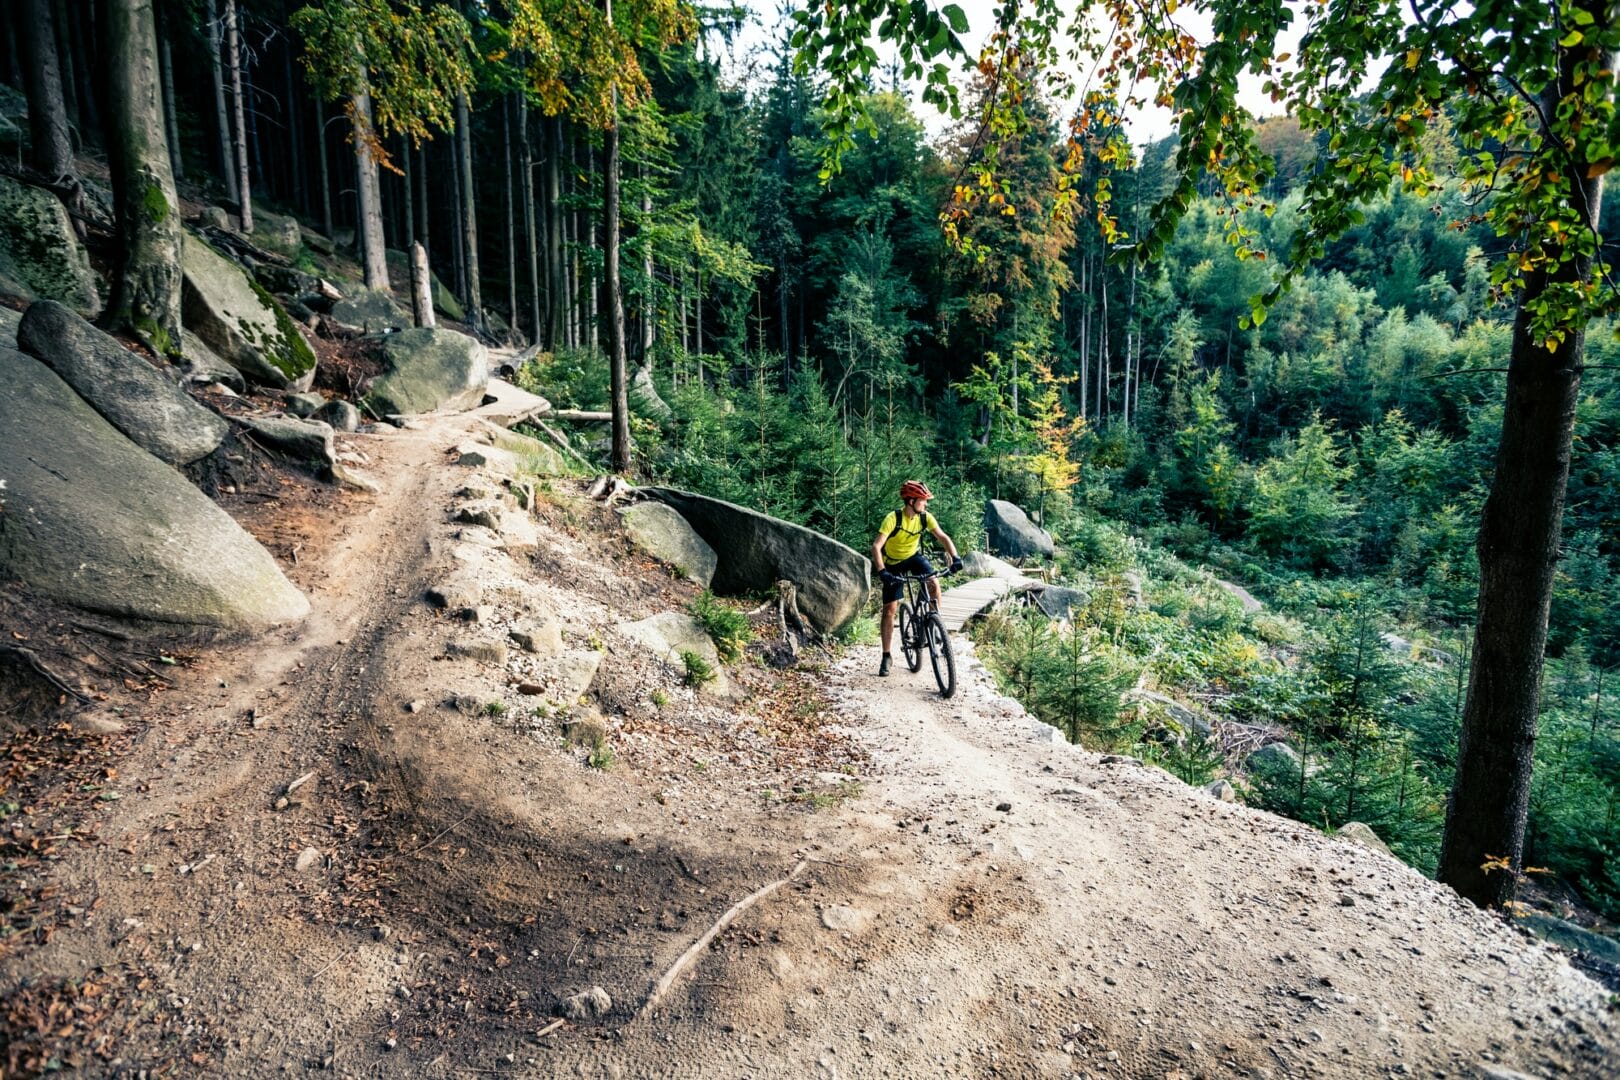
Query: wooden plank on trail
962, 603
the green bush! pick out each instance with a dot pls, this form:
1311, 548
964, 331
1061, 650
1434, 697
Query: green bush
727, 626
698, 670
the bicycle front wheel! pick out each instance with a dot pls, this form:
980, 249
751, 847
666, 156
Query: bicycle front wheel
939, 654
911, 638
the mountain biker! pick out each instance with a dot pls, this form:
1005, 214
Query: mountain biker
897, 551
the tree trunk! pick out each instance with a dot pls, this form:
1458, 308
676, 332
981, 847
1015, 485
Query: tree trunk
326, 171
82, 35
369, 227
1519, 534
171, 115
619, 378
422, 205
47, 113
222, 121
408, 187
233, 57
66, 67
555, 291
649, 302
469, 216
531, 242
295, 139
421, 287
511, 219
146, 293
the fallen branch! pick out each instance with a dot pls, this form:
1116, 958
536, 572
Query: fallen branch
579, 415
689, 957
562, 443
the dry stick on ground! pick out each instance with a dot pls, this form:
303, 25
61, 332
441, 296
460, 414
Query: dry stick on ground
689, 957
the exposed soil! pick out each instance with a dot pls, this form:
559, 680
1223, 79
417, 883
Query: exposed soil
467, 866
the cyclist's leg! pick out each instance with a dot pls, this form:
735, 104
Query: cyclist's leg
888, 623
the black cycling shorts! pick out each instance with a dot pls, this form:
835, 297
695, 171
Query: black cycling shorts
917, 564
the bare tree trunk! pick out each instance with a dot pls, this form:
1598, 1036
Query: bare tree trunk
618, 365
421, 287
469, 216
295, 140
409, 188
1519, 535
555, 291
82, 38
47, 113
649, 302
511, 219
146, 293
66, 66
170, 115
1085, 336
530, 223
422, 205
222, 121
233, 52
369, 227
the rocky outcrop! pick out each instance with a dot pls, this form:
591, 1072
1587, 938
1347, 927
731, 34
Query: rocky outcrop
277, 232
340, 415
94, 521
756, 550
428, 370
1359, 833
8, 327
308, 441
241, 322
1242, 596
645, 399
1276, 758
130, 393
369, 311
40, 250
669, 635
662, 533
203, 365
1012, 535
1060, 602
978, 564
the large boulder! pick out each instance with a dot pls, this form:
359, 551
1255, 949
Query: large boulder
368, 311
40, 249
1571, 936
645, 399
134, 397
428, 370
1358, 832
8, 327
1274, 758
1242, 596
756, 550
204, 366
94, 521
1061, 602
1011, 534
979, 564
308, 441
277, 232
662, 533
241, 322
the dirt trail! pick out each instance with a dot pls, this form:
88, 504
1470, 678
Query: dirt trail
470, 871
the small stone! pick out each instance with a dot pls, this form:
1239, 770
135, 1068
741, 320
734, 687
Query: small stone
402, 992
531, 689
843, 919
308, 859
415, 706
592, 1003
483, 613
488, 652
1005, 808
1222, 790
282, 803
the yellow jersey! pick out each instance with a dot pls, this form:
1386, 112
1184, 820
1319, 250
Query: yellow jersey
903, 540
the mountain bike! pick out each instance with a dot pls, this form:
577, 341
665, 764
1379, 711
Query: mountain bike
922, 628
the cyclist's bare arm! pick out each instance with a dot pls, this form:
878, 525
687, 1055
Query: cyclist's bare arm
877, 551
945, 541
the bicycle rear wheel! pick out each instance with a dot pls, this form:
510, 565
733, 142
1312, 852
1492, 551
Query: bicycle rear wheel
939, 654
911, 639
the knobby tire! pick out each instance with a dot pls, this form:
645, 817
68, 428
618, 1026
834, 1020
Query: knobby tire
939, 654
911, 643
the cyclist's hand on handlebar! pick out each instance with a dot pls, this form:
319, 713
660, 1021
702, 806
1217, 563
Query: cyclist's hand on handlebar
888, 577
956, 564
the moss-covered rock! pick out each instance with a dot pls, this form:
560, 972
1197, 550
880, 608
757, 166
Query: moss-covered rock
369, 311
428, 370
40, 250
241, 322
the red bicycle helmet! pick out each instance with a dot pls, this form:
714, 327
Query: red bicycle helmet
915, 489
